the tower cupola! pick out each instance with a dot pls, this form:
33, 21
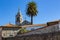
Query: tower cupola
19, 18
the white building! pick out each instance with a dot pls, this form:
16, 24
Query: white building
9, 30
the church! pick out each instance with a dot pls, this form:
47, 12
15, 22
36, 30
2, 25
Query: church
19, 21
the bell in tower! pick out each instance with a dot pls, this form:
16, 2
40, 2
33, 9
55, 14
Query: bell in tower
19, 18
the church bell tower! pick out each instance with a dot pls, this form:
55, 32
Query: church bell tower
19, 18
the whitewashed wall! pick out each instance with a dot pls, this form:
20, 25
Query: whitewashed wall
9, 33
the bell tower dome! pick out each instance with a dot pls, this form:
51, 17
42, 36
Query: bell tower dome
19, 18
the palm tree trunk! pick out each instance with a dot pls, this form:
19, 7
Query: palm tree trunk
31, 19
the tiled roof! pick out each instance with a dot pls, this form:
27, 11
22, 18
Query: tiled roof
55, 21
34, 25
9, 25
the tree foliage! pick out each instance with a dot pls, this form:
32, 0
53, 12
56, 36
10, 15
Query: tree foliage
31, 10
23, 30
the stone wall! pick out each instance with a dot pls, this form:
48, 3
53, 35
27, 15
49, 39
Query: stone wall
49, 29
47, 36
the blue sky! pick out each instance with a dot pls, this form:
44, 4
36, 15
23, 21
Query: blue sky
48, 10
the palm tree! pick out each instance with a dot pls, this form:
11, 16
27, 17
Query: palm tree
31, 10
